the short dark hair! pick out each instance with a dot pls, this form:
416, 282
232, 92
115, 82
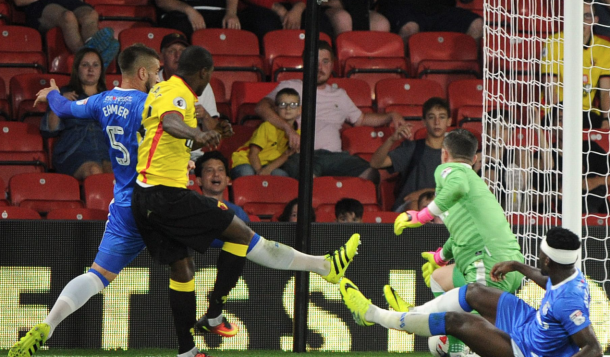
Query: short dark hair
285, 216
435, 102
287, 91
193, 59
132, 55
323, 45
461, 144
347, 205
212, 155
428, 195
561, 238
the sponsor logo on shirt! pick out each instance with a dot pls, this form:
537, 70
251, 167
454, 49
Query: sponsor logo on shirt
118, 100
545, 308
445, 172
180, 103
577, 318
82, 102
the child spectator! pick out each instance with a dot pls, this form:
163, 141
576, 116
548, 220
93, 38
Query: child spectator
267, 150
349, 210
289, 214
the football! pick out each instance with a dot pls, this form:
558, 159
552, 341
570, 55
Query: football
438, 346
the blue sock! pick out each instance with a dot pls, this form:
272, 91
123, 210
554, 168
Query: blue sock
463, 303
99, 275
253, 242
436, 323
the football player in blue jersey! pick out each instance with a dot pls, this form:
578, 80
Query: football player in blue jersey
507, 326
120, 113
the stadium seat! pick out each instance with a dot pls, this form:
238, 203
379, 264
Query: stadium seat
522, 219
379, 217
475, 6
150, 36
540, 19
23, 89
113, 80
5, 13
59, 57
118, 2
12, 212
443, 57
21, 150
3, 194
5, 107
465, 93
594, 220
518, 54
44, 192
223, 106
27, 57
245, 96
387, 195
600, 136
371, 56
285, 43
79, 214
398, 94
326, 215
364, 140
241, 134
236, 55
99, 191
264, 196
328, 190
521, 94
192, 184
358, 91
254, 218
121, 17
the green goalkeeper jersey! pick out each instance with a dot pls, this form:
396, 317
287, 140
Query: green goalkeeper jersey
473, 216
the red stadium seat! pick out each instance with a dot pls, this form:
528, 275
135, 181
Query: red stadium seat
121, 17
443, 56
326, 215
519, 54
364, 140
99, 191
600, 136
20, 39
254, 218
522, 219
327, 190
358, 91
285, 43
113, 80
3, 200
12, 212
150, 36
465, 93
540, 19
58, 55
118, 2
23, 89
79, 214
264, 196
596, 220
241, 134
5, 107
192, 184
220, 94
44, 192
236, 55
379, 217
21, 149
26, 57
245, 96
392, 94
5, 13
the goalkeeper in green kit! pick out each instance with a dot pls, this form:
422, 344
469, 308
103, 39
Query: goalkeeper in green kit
480, 234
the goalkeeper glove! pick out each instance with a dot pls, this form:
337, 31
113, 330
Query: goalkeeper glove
411, 219
435, 261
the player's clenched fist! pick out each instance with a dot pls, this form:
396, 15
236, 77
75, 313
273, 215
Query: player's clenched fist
209, 138
499, 271
435, 261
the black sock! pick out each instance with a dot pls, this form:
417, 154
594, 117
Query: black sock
184, 311
229, 267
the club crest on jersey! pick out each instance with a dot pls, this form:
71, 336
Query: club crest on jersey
577, 318
445, 172
222, 206
180, 103
82, 101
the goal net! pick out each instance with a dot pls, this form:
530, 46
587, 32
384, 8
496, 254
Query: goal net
532, 136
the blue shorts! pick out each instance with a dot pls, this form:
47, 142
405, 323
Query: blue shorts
121, 242
511, 316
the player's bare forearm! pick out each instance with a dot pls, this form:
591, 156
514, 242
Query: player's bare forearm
174, 125
587, 342
498, 272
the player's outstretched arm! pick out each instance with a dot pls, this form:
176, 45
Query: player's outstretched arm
174, 125
586, 340
498, 272
41, 96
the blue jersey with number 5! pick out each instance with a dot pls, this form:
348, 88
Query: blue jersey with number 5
119, 112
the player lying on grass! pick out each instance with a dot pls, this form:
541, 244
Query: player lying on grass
480, 235
507, 326
122, 241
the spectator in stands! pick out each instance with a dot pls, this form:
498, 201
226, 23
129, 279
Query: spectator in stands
262, 16
81, 149
333, 109
78, 22
424, 200
211, 171
408, 17
602, 10
172, 47
289, 214
595, 169
267, 150
596, 71
348, 210
415, 160
355, 15
188, 16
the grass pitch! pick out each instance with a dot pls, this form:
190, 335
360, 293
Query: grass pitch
172, 353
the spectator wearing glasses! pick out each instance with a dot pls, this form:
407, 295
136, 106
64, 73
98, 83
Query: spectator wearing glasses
267, 150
